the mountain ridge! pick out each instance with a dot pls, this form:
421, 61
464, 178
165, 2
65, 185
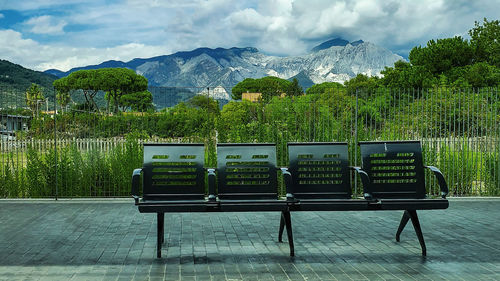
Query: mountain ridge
16, 77
335, 60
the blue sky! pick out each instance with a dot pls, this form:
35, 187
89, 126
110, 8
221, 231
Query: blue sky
43, 34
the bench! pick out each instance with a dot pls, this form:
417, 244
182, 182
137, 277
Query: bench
317, 179
174, 181
392, 175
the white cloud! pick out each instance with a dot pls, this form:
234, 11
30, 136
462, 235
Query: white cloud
46, 25
136, 28
1, 16
249, 19
32, 54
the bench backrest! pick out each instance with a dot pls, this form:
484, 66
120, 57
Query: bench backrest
173, 171
395, 168
319, 170
247, 171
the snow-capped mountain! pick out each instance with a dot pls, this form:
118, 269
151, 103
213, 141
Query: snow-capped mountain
332, 61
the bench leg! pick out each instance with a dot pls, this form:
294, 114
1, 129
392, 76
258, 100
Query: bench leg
412, 214
162, 228
288, 225
282, 227
402, 224
418, 230
160, 219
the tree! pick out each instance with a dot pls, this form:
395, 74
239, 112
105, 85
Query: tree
404, 75
84, 80
367, 84
121, 81
239, 121
62, 89
138, 101
294, 89
63, 99
442, 55
204, 102
325, 87
480, 74
268, 86
34, 96
485, 41
116, 82
451, 61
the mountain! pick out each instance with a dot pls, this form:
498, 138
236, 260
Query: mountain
356, 43
335, 60
15, 79
339, 42
303, 79
14, 76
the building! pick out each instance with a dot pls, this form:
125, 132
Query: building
256, 97
253, 97
9, 124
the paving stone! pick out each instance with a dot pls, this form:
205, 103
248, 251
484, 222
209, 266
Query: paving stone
85, 240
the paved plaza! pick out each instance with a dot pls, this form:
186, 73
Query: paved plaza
111, 240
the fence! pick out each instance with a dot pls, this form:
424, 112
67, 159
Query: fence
50, 151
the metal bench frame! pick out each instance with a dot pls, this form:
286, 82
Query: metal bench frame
392, 176
317, 179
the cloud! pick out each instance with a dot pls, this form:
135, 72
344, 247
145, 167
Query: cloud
1, 16
278, 27
46, 25
34, 55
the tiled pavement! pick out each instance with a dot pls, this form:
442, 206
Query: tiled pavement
111, 240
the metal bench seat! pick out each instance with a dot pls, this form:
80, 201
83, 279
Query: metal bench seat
318, 179
392, 174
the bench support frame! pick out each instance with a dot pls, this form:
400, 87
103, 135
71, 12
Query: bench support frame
286, 221
407, 215
160, 239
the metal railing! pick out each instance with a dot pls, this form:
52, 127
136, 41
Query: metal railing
77, 151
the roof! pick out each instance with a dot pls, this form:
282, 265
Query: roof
14, 116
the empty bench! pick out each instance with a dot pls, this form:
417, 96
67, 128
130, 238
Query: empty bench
174, 181
318, 178
392, 175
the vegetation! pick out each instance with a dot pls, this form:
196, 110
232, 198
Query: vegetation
123, 88
34, 98
428, 98
448, 62
444, 119
94, 172
17, 78
268, 86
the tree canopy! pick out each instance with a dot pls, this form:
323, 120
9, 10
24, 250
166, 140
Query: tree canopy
116, 82
324, 87
485, 42
454, 62
268, 86
138, 101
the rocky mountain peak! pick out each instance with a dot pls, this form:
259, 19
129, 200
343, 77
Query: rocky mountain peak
339, 42
335, 60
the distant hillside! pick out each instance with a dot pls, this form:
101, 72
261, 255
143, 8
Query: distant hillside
15, 79
14, 76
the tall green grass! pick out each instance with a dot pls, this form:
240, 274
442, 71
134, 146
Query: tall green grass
94, 172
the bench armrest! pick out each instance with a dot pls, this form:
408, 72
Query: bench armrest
287, 176
211, 184
136, 177
365, 180
441, 181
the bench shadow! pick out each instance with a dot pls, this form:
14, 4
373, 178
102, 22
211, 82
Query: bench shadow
243, 258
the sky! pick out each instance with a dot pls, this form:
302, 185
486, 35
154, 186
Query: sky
62, 34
